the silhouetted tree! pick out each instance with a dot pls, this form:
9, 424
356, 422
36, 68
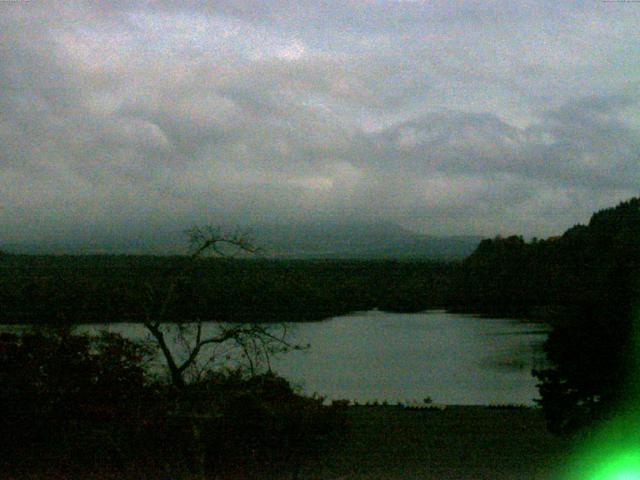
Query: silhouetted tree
256, 341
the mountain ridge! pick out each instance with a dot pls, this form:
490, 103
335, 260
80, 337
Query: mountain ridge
366, 240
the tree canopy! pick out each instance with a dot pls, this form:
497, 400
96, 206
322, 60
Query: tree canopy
588, 279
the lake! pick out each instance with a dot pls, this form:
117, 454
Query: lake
451, 358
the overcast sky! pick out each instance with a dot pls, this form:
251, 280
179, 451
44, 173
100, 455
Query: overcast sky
445, 116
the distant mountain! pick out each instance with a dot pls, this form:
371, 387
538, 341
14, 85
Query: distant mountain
302, 240
358, 240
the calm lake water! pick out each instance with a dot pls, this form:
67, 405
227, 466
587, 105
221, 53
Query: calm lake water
452, 358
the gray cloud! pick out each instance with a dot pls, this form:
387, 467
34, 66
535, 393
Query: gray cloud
463, 117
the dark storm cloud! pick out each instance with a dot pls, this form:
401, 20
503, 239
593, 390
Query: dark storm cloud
448, 117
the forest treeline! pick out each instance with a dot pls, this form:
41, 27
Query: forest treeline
586, 281
593, 262
117, 288
504, 276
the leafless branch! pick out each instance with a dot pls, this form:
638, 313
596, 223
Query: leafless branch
254, 340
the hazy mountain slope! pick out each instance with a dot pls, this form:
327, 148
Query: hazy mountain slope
304, 240
359, 240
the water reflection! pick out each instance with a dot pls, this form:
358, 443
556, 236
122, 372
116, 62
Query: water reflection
455, 359
367, 356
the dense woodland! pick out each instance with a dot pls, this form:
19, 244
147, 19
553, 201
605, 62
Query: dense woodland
86, 289
586, 283
588, 263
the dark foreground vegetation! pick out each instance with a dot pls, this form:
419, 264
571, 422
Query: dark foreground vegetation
79, 407
458, 443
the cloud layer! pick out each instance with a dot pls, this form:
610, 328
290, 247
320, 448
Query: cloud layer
446, 117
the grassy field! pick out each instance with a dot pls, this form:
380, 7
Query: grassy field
456, 443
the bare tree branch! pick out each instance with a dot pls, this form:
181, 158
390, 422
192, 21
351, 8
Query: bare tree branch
255, 341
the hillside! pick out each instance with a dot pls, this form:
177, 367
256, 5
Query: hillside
334, 240
508, 276
359, 240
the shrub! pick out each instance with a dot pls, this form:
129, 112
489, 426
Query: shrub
75, 399
77, 403
259, 423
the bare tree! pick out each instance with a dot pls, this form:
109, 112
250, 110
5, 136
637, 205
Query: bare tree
256, 342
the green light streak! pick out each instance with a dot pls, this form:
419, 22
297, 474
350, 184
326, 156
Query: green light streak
625, 466
613, 452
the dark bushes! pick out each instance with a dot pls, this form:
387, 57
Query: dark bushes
261, 423
73, 399
592, 372
75, 403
